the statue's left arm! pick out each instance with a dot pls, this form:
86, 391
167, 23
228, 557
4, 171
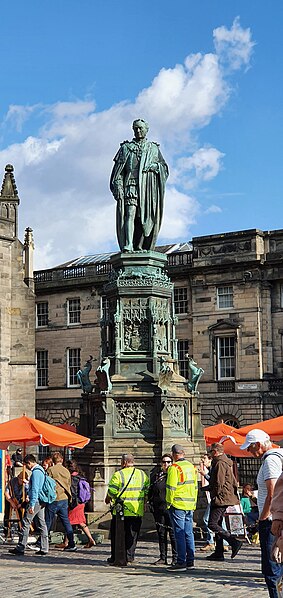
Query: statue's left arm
158, 164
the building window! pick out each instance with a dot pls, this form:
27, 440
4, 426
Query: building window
73, 365
183, 348
224, 297
104, 308
41, 369
226, 357
230, 420
42, 314
181, 300
74, 311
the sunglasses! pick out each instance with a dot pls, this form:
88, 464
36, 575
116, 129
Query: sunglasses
252, 446
166, 461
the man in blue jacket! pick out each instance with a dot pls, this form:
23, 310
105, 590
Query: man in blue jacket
34, 509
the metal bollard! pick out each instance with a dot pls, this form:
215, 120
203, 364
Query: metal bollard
120, 547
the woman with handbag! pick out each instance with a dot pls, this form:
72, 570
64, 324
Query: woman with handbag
76, 507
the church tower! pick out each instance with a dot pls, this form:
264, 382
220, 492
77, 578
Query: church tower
17, 309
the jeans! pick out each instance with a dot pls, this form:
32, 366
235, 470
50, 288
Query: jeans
60, 508
38, 516
271, 570
209, 534
182, 522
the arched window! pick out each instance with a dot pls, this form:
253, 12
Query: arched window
230, 420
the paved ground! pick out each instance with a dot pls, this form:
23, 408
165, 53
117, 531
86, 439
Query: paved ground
86, 574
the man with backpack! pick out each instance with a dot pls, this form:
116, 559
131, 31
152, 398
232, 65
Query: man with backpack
34, 510
258, 444
59, 507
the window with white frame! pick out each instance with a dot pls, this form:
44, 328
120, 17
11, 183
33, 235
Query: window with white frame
41, 314
74, 311
73, 365
181, 300
183, 348
41, 369
224, 297
104, 308
226, 357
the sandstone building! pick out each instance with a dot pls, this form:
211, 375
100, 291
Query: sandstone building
17, 309
228, 299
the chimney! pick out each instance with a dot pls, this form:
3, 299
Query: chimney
28, 258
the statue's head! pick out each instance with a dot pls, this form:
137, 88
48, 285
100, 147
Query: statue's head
140, 128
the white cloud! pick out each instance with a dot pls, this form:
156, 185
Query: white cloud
213, 209
62, 172
202, 165
181, 212
234, 46
18, 115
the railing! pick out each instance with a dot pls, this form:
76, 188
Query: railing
180, 259
102, 269
226, 386
247, 470
275, 385
75, 272
43, 276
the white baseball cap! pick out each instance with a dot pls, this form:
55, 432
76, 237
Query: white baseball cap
255, 436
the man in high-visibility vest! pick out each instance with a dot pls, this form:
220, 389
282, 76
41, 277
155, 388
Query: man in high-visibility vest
181, 498
130, 487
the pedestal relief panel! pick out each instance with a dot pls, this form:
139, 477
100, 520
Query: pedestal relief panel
134, 416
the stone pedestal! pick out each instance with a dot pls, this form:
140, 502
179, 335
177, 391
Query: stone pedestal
136, 415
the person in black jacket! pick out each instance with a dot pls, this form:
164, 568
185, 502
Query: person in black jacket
157, 502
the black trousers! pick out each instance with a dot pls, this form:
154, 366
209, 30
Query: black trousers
163, 527
132, 526
215, 524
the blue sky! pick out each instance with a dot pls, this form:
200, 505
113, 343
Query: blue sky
207, 76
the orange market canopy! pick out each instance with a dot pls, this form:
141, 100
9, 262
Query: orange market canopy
28, 431
232, 438
273, 427
216, 432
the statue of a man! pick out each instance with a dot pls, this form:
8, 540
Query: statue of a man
138, 184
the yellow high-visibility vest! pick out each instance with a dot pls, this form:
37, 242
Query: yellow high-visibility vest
134, 495
181, 486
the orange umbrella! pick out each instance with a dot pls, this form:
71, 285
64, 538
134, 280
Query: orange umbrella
28, 431
232, 445
216, 432
273, 427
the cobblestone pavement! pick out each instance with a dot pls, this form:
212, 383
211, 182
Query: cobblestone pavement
86, 574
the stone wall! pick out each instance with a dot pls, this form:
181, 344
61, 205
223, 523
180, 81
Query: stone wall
17, 314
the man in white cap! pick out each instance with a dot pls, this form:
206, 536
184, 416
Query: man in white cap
258, 444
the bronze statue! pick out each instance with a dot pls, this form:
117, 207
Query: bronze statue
103, 378
165, 375
83, 376
138, 184
196, 374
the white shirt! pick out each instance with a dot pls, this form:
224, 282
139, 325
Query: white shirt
271, 468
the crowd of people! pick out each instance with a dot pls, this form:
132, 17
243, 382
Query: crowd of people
49, 490
171, 494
